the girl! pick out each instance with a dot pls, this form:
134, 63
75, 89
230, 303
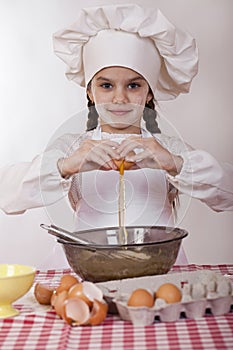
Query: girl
127, 58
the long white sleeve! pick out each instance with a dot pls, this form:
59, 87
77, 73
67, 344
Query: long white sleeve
32, 184
204, 178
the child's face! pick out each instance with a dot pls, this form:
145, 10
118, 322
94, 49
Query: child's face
120, 95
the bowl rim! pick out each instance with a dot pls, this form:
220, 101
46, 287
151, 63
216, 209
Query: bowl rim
28, 273
182, 234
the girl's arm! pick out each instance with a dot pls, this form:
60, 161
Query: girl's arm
204, 178
32, 184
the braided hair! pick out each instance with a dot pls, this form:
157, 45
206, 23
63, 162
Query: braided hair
92, 120
149, 116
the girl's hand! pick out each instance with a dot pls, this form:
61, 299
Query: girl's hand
91, 155
153, 155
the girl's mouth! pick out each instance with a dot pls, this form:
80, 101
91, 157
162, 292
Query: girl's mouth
119, 112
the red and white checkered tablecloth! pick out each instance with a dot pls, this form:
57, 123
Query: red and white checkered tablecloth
41, 329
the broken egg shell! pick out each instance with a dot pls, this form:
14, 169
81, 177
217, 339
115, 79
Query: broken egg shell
76, 311
53, 298
66, 282
92, 291
86, 290
59, 302
127, 165
98, 313
77, 291
43, 293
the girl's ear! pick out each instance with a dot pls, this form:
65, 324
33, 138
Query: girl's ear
149, 96
89, 94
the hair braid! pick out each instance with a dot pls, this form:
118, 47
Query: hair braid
92, 120
149, 116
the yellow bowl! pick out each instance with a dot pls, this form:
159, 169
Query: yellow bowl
15, 281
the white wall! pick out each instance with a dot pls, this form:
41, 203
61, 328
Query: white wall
36, 98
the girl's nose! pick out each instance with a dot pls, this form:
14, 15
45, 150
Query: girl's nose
120, 96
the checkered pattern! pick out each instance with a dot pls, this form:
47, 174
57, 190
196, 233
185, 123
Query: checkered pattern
44, 330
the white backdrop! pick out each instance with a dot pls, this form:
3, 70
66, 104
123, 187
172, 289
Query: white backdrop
36, 98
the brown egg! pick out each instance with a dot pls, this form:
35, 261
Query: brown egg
43, 293
127, 165
169, 292
141, 297
66, 282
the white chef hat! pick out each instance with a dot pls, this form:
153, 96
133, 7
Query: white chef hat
141, 39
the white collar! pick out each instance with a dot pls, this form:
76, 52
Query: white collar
97, 134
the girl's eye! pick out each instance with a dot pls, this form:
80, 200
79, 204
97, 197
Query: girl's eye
106, 85
133, 85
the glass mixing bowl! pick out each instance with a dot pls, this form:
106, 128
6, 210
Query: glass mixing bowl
149, 251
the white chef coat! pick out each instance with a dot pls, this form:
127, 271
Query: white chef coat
38, 184
146, 196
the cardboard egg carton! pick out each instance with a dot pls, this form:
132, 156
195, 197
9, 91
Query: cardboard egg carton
201, 291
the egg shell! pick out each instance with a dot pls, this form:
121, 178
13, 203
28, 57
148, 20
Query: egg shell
141, 297
66, 282
77, 291
87, 291
76, 311
59, 303
43, 293
98, 313
53, 298
127, 165
92, 291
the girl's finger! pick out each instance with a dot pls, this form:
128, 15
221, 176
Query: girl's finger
134, 142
